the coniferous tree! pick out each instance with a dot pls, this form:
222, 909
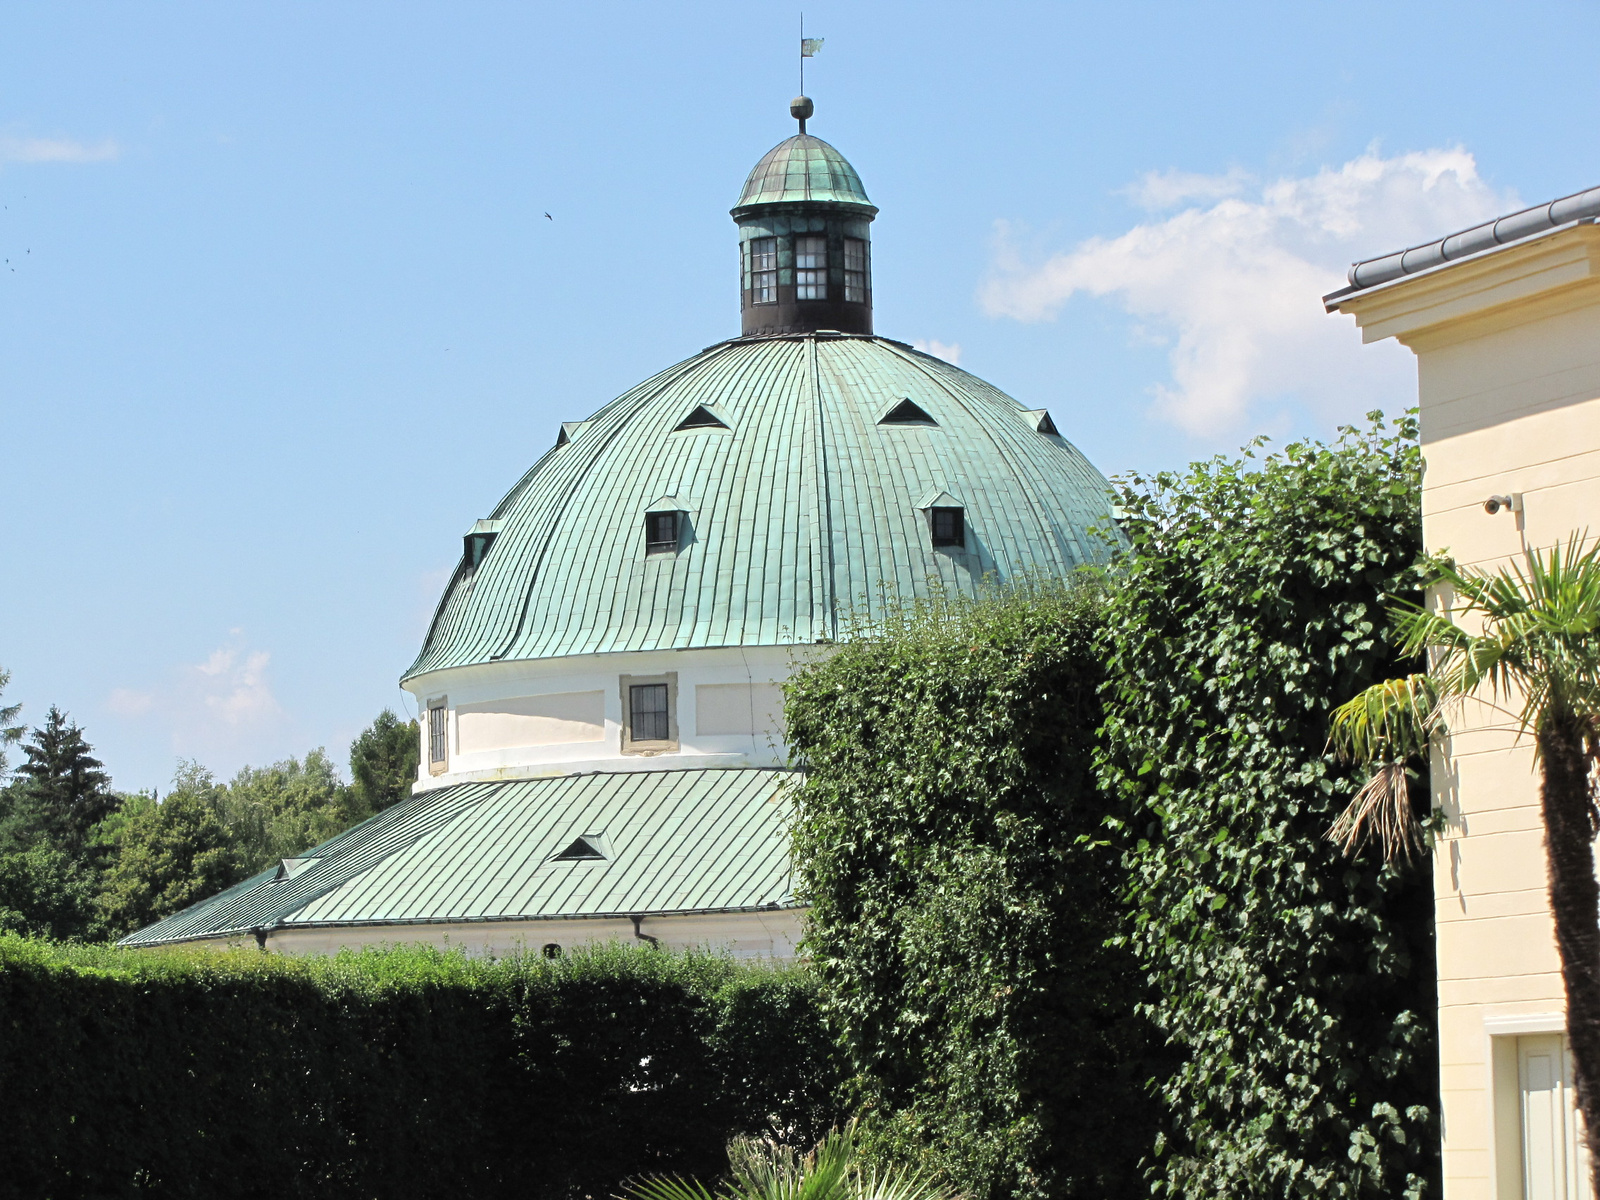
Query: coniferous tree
9, 731
60, 793
383, 761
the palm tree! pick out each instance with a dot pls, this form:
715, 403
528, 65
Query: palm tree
768, 1169
1528, 640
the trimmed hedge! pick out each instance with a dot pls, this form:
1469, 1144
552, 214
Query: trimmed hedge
949, 841
394, 1074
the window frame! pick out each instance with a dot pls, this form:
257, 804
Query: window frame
818, 283
955, 541
438, 734
755, 277
649, 746
860, 283
654, 546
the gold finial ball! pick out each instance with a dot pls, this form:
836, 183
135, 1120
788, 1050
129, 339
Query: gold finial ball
801, 108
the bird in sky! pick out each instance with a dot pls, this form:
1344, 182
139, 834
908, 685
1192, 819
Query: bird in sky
548, 217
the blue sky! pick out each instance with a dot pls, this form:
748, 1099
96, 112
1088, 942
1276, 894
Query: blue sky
280, 312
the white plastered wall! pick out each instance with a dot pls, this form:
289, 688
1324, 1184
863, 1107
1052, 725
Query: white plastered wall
558, 716
1513, 412
1508, 351
748, 935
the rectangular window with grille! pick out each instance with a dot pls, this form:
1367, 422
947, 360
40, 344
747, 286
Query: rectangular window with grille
855, 270
810, 268
647, 712
660, 532
436, 734
949, 527
764, 270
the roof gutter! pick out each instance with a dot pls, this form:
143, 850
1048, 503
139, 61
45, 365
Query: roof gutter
1464, 243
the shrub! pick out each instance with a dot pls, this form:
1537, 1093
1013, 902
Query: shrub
398, 1073
1299, 984
948, 838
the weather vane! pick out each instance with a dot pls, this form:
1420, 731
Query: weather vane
801, 108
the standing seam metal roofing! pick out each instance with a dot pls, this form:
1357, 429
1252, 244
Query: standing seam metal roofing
803, 511
803, 168
680, 841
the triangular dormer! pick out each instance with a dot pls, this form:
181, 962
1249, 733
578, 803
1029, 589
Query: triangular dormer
701, 418
907, 413
569, 430
582, 849
1039, 418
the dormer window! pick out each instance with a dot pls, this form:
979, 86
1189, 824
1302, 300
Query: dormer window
949, 526
661, 532
810, 268
478, 539
855, 270
764, 270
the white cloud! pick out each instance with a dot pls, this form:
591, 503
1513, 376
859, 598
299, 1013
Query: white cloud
216, 706
1160, 190
1233, 287
949, 351
233, 686
39, 150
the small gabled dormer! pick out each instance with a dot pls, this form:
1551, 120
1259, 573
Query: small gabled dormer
947, 520
666, 526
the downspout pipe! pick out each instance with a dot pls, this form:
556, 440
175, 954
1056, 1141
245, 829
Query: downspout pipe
641, 934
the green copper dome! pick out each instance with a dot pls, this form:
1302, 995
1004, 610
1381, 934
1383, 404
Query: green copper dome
803, 168
805, 471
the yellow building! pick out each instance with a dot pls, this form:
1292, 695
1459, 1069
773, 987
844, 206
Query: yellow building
1504, 320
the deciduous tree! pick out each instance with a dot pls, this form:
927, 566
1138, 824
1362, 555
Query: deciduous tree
383, 761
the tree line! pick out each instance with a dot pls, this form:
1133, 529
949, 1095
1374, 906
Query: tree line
82, 861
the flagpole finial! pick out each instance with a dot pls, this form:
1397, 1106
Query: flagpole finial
801, 108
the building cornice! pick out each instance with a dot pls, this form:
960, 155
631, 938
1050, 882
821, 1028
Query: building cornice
1496, 288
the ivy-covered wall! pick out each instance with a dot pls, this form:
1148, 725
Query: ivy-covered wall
949, 841
401, 1074
1298, 985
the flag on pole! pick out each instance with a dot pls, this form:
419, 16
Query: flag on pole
809, 47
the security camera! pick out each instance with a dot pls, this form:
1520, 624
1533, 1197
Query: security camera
1495, 503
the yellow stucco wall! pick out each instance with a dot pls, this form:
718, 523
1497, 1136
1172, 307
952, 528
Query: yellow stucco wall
1508, 354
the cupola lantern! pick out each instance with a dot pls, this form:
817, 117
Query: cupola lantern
805, 251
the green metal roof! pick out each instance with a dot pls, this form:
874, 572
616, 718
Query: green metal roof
804, 508
803, 168
676, 841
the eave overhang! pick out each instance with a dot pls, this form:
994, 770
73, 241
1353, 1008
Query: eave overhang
1503, 285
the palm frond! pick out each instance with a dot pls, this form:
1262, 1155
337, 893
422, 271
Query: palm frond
667, 1187
1388, 722
1381, 812
903, 1184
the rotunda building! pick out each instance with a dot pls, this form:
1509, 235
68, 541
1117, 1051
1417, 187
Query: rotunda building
603, 744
